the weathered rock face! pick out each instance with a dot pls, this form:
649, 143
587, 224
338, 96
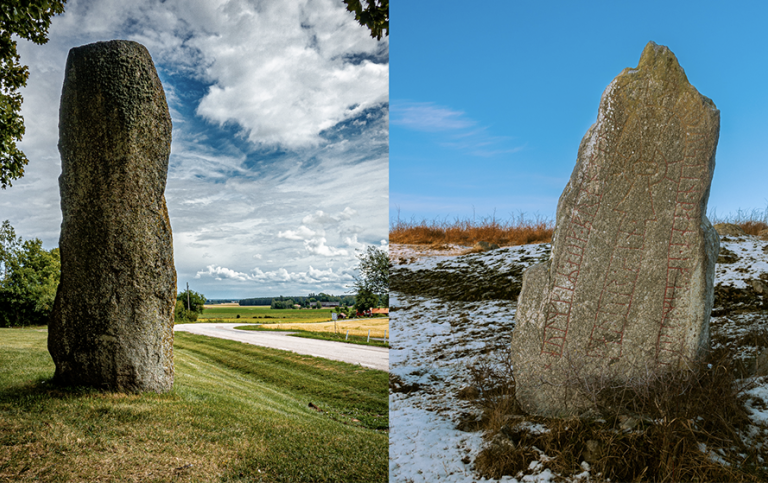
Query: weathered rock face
629, 286
112, 324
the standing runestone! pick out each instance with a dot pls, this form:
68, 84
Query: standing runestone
112, 324
628, 289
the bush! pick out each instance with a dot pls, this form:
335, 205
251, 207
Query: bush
30, 278
181, 315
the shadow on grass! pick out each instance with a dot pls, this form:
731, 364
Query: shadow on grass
221, 422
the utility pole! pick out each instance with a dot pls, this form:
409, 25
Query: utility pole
188, 296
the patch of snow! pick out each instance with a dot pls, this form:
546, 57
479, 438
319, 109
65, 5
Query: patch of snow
753, 260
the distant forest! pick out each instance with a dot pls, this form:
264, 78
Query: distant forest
301, 300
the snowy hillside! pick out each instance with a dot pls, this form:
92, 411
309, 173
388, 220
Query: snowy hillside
450, 311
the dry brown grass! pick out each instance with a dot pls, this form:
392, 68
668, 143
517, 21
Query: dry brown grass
519, 230
467, 232
753, 227
650, 430
752, 222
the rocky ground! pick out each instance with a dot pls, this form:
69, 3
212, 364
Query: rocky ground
452, 312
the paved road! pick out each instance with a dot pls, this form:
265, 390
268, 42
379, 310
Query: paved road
367, 356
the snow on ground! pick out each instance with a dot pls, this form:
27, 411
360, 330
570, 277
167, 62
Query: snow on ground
434, 342
752, 253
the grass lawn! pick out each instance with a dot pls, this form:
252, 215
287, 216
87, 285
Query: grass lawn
263, 314
237, 412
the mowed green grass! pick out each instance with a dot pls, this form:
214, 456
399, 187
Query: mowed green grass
264, 314
237, 412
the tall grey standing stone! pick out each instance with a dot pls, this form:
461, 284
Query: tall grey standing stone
628, 289
112, 324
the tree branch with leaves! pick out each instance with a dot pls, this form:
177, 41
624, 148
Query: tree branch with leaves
374, 15
28, 19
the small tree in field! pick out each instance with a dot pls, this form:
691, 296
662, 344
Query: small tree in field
182, 315
374, 276
196, 300
365, 300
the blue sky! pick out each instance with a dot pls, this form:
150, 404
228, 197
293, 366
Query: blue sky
490, 101
279, 162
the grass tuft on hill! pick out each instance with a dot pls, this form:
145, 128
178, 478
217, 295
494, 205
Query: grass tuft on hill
521, 231
752, 222
237, 413
467, 232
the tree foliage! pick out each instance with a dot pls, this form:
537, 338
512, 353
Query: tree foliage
181, 315
282, 304
365, 300
30, 277
374, 274
306, 301
374, 15
9, 243
28, 19
196, 300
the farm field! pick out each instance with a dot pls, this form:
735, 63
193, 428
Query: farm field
379, 326
263, 314
237, 412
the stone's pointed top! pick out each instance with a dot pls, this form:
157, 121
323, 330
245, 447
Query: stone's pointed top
658, 61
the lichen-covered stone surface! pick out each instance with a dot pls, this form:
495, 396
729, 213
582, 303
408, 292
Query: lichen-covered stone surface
112, 324
628, 289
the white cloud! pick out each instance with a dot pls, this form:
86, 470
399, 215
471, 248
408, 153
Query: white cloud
353, 243
426, 116
347, 213
302, 233
281, 275
319, 218
280, 69
317, 246
220, 273
458, 131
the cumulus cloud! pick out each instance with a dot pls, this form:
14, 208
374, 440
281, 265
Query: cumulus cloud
281, 275
302, 233
353, 243
319, 218
317, 246
220, 273
275, 106
307, 69
347, 213
284, 71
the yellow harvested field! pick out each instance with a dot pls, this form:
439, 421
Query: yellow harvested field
378, 326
